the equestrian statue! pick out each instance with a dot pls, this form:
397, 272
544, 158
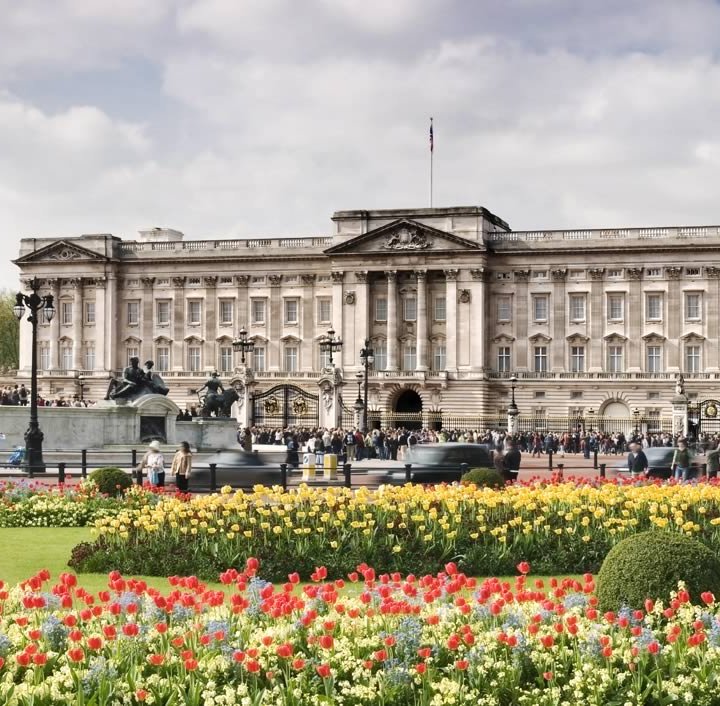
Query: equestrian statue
217, 401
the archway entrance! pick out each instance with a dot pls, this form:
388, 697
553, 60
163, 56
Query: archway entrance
408, 410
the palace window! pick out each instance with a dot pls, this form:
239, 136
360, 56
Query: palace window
380, 349
692, 359
381, 309
162, 312
194, 359
409, 355
324, 311
504, 311
541, 359
410, 309
440, 313
66, 356
290, 359
324, 359
226, 311
540, 307
615, 359
131, 352
692, 306
194, 312
291, 311
654, 307
654, 359
162, 359
65, 312
615, 274
259, 359
439, 356
225, 359
89, 357
503, 359
90, 313
577, 359
257, 309
616, 307
577, 307
45, 357
133, 313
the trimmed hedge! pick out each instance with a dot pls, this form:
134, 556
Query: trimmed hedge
650, 565
111, 481
483, 478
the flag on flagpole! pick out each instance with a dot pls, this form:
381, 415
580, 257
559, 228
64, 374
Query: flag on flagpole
432, 141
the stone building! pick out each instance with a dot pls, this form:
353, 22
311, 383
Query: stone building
595, 323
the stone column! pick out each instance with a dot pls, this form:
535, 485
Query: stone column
679, 414
362, 318
54, 286
478, 321
392, 323
422, 321
340, 321
211, 329
520, 315
243, 315
111, 317
77, 323
274, 325
675, 306
713, 297
178, 362
148, 316
451, 325
308, 362
597, 318
557, 358
102, 334
635, 322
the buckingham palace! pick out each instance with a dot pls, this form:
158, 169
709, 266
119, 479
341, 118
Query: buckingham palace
454, 303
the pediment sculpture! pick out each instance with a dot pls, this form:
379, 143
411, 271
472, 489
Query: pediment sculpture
407, 239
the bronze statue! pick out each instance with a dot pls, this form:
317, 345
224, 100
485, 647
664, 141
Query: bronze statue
217, 401
136, 382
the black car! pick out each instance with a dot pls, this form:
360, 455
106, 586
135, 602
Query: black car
441, 463
660, 463
238, 469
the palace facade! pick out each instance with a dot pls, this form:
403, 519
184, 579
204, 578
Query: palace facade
594, 323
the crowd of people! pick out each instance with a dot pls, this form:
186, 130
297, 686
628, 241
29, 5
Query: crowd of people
19, 395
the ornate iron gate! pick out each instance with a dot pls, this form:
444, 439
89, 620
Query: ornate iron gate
704, 418
285, 406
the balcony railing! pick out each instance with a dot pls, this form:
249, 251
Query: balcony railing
687, 232
319, 243
530, 375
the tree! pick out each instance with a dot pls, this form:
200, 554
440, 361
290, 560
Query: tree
9, 332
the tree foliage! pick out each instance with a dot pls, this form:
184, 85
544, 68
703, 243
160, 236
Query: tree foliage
9, 332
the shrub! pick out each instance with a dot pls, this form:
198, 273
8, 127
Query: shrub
483, 478
111, 481
650, 564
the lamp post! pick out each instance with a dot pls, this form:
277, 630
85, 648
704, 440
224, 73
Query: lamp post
81, 386
512, 411
636, 416
590, 413
242, 344
359, 406
35, 304
330, 344
367, 358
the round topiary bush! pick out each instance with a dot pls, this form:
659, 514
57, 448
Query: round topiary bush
483, 478
650, 564
111, 481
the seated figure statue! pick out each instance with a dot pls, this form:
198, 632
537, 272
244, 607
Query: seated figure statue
136, 382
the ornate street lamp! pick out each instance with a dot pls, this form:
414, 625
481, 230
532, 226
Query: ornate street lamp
636, 416
35, 304
367, 358
590, 413
330, 344
512, 408
242, 344
359, 406
81, 386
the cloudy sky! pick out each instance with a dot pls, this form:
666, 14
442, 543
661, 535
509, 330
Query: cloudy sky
234, 118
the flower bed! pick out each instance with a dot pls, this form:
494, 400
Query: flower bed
430, 641
559, 527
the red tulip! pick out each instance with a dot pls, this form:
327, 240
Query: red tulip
523, 567
76, 654
326, 642
462, 664
323, 670
707, 597
191, 665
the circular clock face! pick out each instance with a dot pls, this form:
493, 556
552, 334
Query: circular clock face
711, 411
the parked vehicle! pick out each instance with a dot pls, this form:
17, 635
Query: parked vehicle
441, 463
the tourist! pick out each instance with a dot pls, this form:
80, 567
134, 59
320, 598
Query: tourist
511, 462
182, 466
713, 462
292, 457
154, 462
681, 461
637, 460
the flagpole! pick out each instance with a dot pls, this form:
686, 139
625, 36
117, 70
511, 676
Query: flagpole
432, 145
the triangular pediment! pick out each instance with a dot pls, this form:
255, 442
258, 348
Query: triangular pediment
61, 251
404, 236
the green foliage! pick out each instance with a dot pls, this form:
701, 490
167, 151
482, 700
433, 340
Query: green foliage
111, 481
650, 564
9, 332
483, 478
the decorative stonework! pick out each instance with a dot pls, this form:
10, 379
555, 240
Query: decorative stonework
76, 282
522, 275
65, 253
420, 275
712, 272
464, 296
361, 276
391, 275
27, 283
210, 280
350, 298
634, 272
478, 273
242, 280
407, 238
178, 282
308, 278
100, 283
53, 283
673, 272
558, 275
337, 277
451, 275
596, 273
147, 281
275, 280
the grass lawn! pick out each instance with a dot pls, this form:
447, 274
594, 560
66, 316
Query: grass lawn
26, 550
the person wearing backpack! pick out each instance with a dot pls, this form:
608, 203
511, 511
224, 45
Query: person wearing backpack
349, 444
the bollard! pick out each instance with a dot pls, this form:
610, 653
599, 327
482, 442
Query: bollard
595, 461
550, 455
602, 470
408, 474
463, 469
213, 477
283, 475
133, 458
703, 470
61, 473
347, 470
83, 463
560, 468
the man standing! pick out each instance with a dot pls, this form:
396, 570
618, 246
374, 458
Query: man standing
511, 462
349, 444
637, 460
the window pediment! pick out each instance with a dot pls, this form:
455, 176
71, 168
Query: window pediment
577, 338
692, 336
615, 338
539, 338
162, 340
132, 339
193, 339
289, 338
503, 338
654, 337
